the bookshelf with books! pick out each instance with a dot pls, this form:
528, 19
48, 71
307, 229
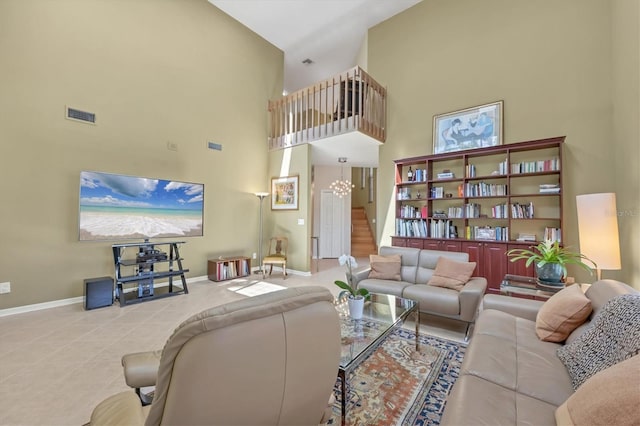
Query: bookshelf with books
228, 268
483, 201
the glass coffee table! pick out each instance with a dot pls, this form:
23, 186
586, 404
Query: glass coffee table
527, 287
382, 314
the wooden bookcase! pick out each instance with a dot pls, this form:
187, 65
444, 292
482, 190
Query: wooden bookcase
228, 268
484, 201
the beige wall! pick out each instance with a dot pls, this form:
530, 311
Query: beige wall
293, 161
153, 72
625, 62
551, 63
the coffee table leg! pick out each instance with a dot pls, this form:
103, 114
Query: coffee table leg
343, 403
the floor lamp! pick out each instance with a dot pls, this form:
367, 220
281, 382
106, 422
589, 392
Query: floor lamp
261, 196
598, 230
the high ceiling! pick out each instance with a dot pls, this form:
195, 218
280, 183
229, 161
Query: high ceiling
331, 34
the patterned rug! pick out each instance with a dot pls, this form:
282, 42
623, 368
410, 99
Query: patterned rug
395, 387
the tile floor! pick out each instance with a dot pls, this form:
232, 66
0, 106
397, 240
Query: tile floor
57, 364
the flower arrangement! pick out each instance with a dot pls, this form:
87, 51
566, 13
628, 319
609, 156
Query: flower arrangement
347, 288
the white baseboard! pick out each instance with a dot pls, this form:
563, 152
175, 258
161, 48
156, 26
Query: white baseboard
289, 271
71, 301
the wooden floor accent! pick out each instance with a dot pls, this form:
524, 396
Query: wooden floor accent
362, 242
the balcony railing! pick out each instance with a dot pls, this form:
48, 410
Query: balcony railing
347, 102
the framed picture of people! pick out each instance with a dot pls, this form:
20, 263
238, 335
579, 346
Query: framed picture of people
284, 192
469, 128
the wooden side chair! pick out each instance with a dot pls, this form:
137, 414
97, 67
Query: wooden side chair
277, 255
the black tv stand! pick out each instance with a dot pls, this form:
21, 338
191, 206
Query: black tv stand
136, 272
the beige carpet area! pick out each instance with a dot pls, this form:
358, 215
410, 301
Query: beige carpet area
57, 364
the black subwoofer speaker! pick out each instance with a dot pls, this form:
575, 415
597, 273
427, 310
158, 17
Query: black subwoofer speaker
98, 292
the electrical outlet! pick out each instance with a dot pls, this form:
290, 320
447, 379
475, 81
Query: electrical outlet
255, 256
5, 287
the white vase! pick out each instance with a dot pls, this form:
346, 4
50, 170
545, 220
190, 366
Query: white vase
356, 306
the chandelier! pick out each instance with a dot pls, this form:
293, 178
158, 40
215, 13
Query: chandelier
341, 187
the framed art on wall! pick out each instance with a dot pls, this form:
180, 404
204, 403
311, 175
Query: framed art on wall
284, 192
469, 128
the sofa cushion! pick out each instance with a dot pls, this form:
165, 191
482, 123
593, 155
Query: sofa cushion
506, 351
451, 273
614, 336
385, 267
611, 396
429, 259
562, 314
474, 401
394, 288
409, 260
432, 299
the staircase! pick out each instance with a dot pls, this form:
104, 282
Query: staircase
362, 241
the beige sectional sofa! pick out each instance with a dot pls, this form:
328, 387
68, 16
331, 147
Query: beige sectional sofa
511, 377
417, 268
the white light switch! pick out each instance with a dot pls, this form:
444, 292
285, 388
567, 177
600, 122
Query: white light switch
300, 221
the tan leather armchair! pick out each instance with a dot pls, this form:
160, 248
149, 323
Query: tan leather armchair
266, 360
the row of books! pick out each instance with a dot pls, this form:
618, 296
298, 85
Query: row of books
411, 228
550, 165
553, 234
522, 211
417, 175
442, 228
413, 212
482, 189
470, 210
503, 168
404, 194
232, 269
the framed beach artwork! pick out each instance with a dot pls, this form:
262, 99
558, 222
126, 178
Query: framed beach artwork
469, 128
284, 192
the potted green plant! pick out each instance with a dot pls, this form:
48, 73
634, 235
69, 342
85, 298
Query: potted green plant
550, 260
355, 297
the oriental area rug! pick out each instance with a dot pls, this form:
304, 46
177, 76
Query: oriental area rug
393, 386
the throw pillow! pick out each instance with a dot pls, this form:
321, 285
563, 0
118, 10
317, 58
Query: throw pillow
385, 267
562, 314
614, 335
610, 397
451, 274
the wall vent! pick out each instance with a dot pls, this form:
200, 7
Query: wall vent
77, 115
216, 146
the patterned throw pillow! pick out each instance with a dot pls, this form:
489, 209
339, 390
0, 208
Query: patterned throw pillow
614, 336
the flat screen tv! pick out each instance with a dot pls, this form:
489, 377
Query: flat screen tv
117, 207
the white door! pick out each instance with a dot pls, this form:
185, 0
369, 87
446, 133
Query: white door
331, 225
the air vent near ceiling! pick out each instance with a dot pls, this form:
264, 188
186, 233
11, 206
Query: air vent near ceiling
307, 61
76, 114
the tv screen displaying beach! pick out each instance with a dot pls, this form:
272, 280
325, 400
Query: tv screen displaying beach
115, 207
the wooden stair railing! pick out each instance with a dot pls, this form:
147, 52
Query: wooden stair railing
347, 102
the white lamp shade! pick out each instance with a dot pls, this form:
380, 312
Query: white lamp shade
598, 229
